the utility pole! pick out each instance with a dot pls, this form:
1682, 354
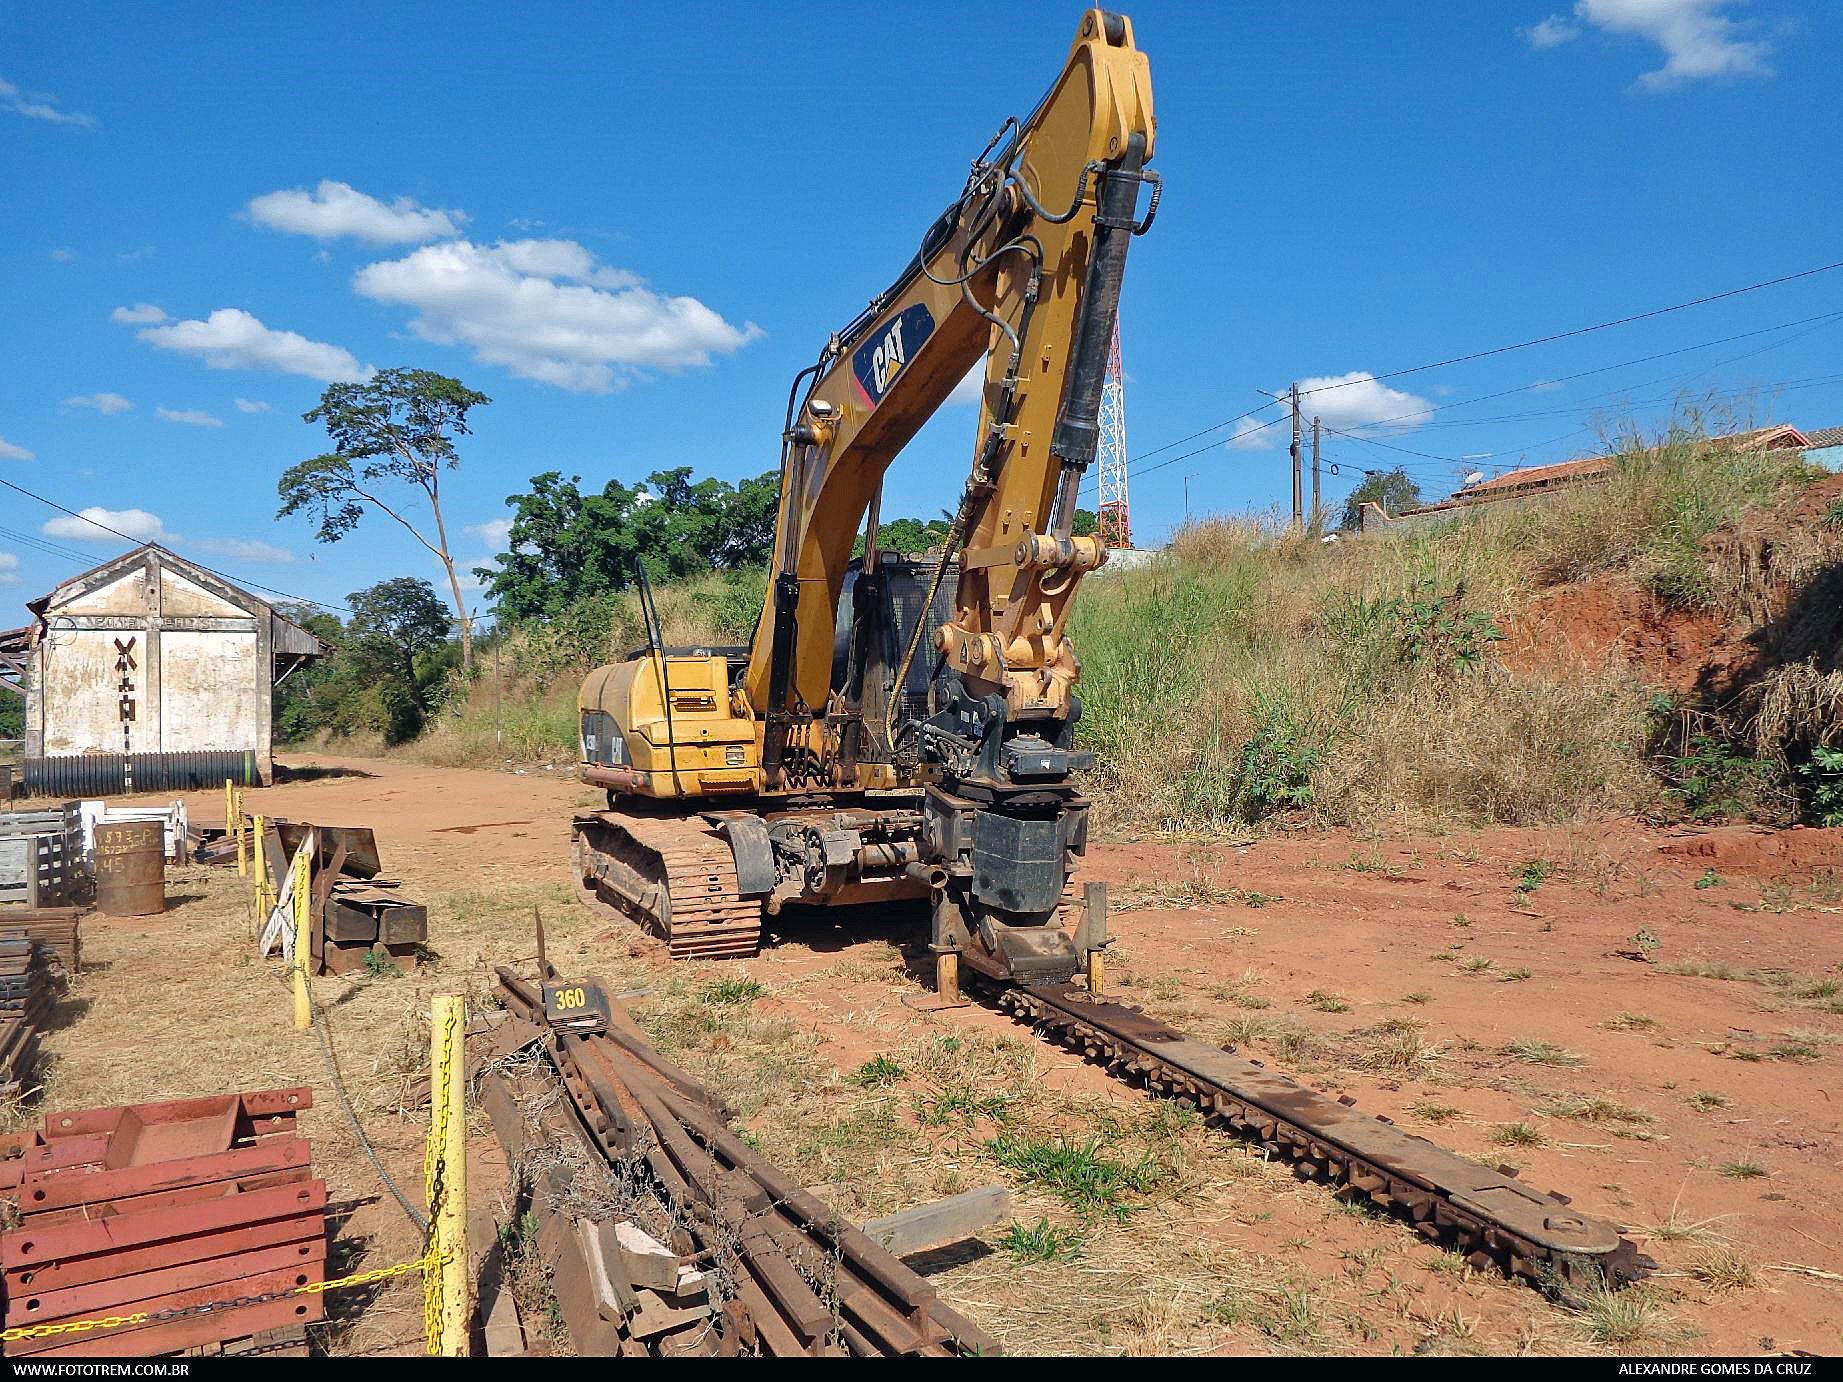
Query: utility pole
1298, 487
1318, 513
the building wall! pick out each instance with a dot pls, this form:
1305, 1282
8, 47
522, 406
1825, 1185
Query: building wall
200, 678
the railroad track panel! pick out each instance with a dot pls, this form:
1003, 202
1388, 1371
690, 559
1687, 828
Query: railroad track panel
1484, 1213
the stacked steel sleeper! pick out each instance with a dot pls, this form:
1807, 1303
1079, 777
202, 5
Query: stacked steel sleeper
202, 1214
26, 996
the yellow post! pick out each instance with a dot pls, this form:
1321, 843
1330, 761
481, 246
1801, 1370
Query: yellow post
229, 806
243, 870
446, 1307
303, 1006
1097, 972
259, 865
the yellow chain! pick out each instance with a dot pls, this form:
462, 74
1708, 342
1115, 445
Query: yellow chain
434, 1189
428, 1261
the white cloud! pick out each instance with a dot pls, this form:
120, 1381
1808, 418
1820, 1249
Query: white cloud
1552, 32
38, 105
546, 310
136, 256
9, 568
252, 405
493, 533
141, 314
188, 417
10, 452
231, 338
1700, 39
94, 523
1545, 386
244, 549
336, 209
1346, 402
108, 404
1250, 435
62, 256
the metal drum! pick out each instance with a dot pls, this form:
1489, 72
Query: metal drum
131, 868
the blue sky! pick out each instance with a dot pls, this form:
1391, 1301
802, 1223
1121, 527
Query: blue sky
631, 225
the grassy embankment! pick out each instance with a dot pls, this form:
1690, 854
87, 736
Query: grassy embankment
1248, 672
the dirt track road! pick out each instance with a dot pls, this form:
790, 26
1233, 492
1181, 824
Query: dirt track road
1646, 1021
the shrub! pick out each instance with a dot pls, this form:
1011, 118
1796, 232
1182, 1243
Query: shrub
1822, 778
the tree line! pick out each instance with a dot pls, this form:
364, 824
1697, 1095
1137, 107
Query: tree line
395, 656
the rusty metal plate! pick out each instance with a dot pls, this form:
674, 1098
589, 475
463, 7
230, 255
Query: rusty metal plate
39, 1194
32, 1245
155, 1339
307, 1260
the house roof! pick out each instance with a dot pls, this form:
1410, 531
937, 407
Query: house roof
1540, 475
1781, 437
286, 636
1822, 437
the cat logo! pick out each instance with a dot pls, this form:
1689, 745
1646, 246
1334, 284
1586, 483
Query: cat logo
879, 361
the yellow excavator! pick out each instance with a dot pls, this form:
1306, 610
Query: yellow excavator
904, 728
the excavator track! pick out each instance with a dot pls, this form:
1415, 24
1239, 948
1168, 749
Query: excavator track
1486, 1215
676, 877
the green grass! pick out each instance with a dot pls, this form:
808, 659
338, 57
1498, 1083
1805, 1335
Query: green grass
1042, 1242
1086, 1179
878, 1072
732, 991
1743, 1170
947, 1106
1326, 1002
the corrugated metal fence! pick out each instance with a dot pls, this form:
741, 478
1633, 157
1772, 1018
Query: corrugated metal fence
113, 774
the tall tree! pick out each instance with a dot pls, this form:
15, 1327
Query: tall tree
398, 426
1392, 489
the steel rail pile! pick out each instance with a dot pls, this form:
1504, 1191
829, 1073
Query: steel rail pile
26, 986
57, 927
194, 1223
1485, 1214
797, 1278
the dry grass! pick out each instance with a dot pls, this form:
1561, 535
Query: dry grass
1249, 672
174, 1006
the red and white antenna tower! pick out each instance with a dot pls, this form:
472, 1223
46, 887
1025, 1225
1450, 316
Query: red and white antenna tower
1113, 517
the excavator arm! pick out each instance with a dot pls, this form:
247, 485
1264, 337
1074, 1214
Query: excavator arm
1022, 271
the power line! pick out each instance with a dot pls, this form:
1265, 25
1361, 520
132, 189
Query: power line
1786, 386
1821, 319
1585, 330
1519, 345
117, 532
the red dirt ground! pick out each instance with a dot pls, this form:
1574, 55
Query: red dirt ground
1619, 907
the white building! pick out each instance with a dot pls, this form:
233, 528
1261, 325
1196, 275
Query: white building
148, 673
